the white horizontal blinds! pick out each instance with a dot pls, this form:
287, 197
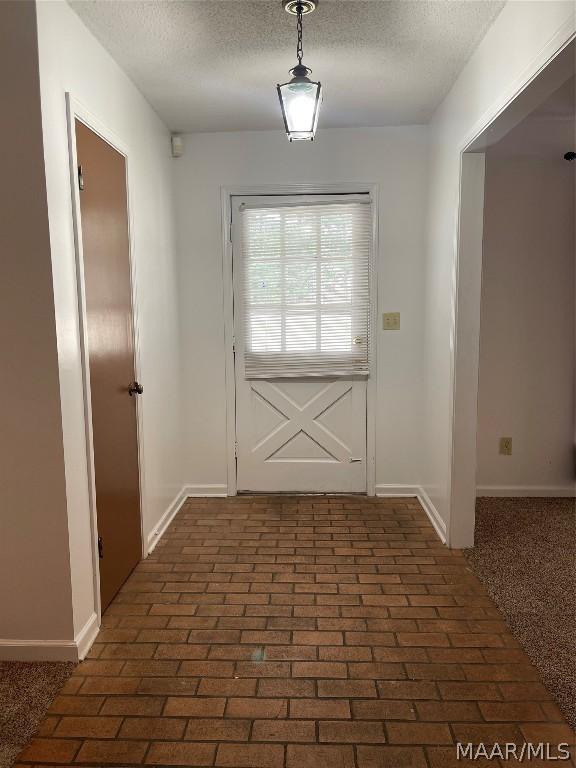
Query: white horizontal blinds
306, 286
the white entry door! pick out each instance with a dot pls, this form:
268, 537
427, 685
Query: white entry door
301, 295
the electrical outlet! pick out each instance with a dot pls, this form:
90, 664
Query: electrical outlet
391, 321
505, 446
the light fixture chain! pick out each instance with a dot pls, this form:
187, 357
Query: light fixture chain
299, 48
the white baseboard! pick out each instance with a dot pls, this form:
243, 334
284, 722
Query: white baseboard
433, 514
526, 491
419, 492
38, 650
156, 533
86, 636
385, 490
206, 490
52, 650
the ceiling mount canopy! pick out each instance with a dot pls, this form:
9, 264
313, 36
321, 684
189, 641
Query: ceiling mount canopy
291, 6
301, 97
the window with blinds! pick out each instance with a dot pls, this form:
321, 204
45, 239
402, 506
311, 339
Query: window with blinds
305, 283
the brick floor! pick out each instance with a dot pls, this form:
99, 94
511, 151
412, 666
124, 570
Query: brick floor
298, 632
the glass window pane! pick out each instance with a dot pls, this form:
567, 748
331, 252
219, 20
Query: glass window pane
303, 278
264, 283
301, 235
300, 282
265, 333
336, 333
264, 235
300, 333
336, 282
336, 235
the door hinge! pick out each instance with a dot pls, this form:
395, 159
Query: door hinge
100, 547
236, 449
80, 178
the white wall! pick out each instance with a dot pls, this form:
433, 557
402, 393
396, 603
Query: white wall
395, 159
72, 60
527, 318
520, 41
35, 598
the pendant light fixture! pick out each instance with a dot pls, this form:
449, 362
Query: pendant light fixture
300, 98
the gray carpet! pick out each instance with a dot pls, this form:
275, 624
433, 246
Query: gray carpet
525, 556
26, 692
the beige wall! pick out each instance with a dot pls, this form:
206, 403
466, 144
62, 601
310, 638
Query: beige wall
35, 596
526, 382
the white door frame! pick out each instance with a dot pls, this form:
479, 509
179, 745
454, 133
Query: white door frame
76, 110
466, 303
467, 350
344, 188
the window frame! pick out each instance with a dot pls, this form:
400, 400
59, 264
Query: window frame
317, 310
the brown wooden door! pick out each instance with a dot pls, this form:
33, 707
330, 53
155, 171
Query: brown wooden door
105, 241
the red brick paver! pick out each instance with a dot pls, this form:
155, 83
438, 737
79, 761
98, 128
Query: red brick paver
297, 632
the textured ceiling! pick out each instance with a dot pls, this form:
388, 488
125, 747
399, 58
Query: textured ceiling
212, 65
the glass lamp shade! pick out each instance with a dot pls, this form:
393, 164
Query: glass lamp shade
300, 100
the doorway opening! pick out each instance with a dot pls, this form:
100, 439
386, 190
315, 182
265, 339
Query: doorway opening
526, 115
526, 366
517, 251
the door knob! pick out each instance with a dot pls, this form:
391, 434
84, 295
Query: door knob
135, 389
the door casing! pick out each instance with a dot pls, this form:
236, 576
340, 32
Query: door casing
343, 188
76, 111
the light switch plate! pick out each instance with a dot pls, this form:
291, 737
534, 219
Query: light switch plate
391, 321
505, 445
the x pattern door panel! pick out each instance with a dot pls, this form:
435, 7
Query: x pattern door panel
301, 435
